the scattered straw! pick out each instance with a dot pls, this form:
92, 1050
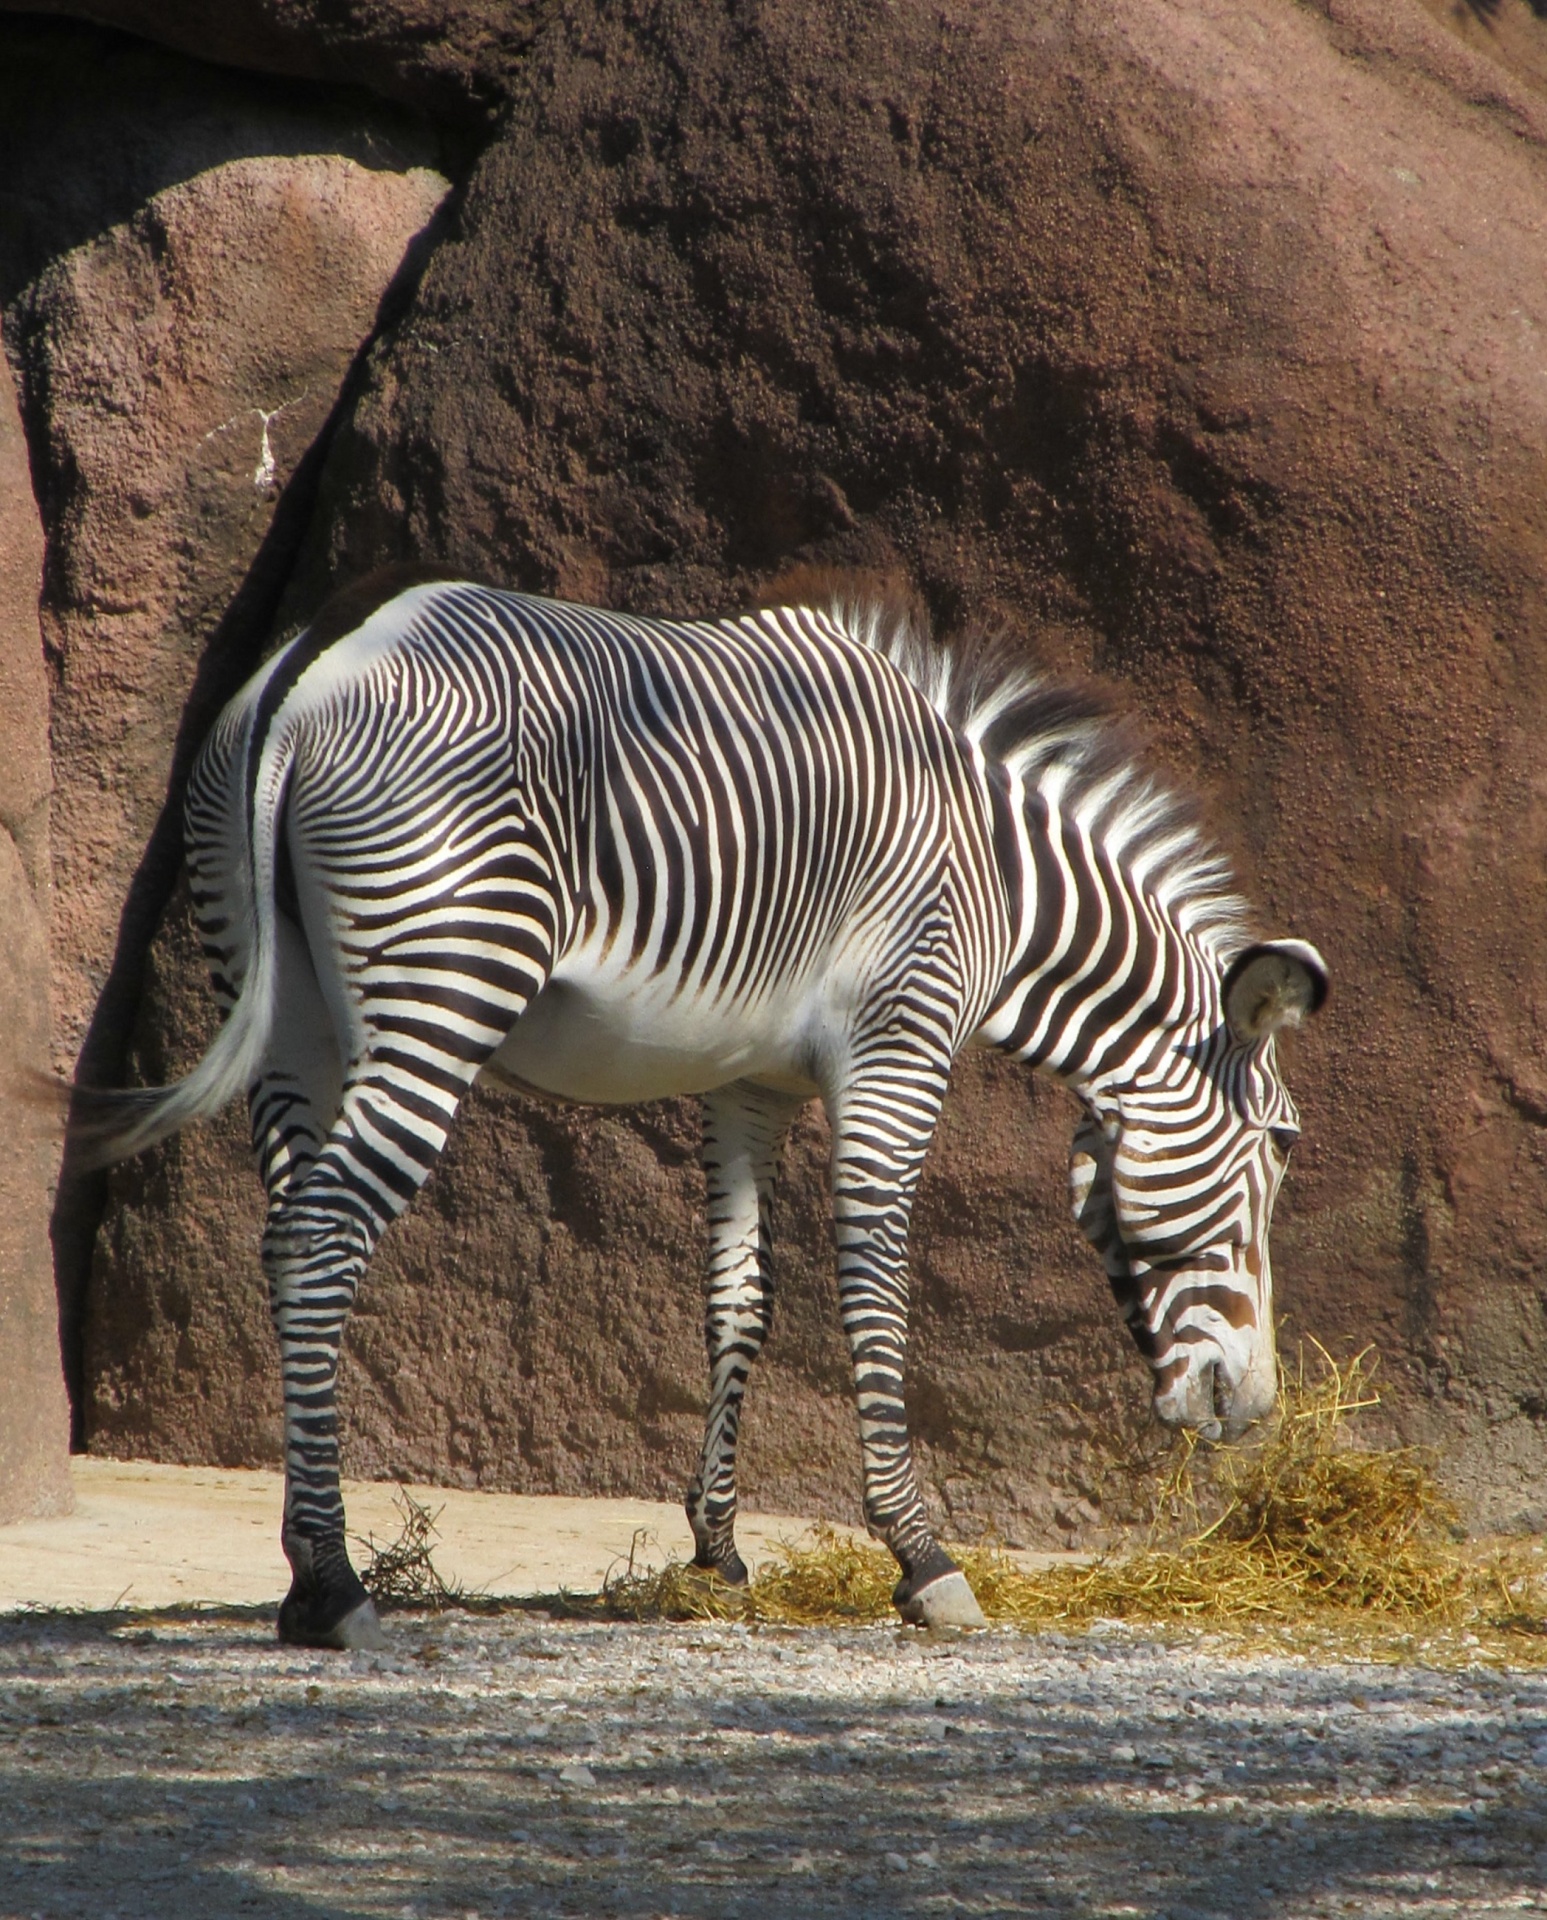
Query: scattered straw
403, 1573
834, 1581
1333, 1542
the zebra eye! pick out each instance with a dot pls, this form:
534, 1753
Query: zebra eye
1283, 1138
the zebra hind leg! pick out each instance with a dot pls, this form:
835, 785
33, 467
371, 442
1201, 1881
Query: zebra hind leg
315, 1250
294, 1105
321, 1232
744, 1132
882, 1130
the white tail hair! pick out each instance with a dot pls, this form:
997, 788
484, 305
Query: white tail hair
109, 1124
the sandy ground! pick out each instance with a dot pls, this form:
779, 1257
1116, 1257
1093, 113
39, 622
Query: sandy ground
144, 1535
523, 1764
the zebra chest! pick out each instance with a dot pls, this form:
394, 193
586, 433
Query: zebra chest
614, 1041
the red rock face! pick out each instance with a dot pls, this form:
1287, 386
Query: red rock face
190, 357
178, 356
34, 1420
1201, 345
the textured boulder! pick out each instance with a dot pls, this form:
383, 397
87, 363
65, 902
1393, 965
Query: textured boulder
187, 360
1199, 344
182, 363
190, 263
34, 1419
1202, 345
452, 58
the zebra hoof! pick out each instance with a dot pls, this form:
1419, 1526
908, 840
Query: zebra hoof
947, 1601
304, 1622
360, 1631
732, 1569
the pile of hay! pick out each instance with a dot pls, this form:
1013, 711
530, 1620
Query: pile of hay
1307, 1530
1308, 1523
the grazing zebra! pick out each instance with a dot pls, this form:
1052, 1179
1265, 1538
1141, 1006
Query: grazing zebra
451, 831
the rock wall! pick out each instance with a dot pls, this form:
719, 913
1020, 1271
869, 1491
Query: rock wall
34, 1419
1199, 344
191, 262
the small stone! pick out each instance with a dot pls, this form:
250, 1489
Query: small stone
1124, 1755
898, 1862
576, 1774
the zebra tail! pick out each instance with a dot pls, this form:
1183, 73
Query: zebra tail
108, 1124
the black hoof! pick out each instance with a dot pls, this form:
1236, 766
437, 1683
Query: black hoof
303, 1623
327, 1605
923, 1573
732, 1569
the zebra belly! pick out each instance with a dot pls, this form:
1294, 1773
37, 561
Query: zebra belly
617, 1041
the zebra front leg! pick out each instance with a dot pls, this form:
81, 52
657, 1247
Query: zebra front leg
744, 1133
881, 1131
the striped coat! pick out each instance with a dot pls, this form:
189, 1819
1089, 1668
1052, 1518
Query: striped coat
801, 853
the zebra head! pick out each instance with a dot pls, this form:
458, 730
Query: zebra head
1173, 1174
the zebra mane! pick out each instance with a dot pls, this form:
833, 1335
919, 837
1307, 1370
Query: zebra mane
1044, 731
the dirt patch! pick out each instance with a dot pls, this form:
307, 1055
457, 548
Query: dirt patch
147, 1535
525, 1767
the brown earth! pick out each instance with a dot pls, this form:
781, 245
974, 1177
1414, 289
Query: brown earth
1203, 345
146, 1535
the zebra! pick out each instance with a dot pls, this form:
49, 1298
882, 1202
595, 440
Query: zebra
453, 832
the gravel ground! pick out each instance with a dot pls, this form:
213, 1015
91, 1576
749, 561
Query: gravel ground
527, 1765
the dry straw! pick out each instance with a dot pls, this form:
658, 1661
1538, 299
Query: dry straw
1308, 1534
402, 1574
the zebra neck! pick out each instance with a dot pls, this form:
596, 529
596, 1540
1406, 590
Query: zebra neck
1106, 971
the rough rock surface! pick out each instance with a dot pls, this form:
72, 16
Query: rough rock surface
178, 366
34, 1419
189, 263
1202, 343
452, 58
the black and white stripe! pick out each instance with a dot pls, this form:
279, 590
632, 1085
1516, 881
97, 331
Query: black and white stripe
797, 853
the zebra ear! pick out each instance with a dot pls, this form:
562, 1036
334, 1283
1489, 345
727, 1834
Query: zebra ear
1273, 984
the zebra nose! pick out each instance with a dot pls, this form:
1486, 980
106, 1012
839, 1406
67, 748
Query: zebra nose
1248, 1401
1188, 1400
